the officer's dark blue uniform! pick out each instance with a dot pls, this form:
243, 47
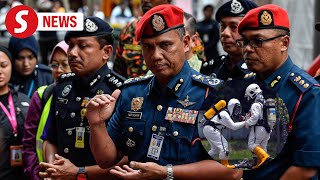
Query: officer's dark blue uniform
131, 128
300, 93
68, 110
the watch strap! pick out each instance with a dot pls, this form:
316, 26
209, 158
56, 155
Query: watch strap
169, 172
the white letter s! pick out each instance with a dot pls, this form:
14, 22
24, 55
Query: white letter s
21, 21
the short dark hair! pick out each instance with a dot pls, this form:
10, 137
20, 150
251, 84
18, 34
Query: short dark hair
103, 40
207, 7
282, 31
181, 32
190, 24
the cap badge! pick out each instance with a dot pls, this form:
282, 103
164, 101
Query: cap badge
158, 23
236, 7
266, 18
136, 103
90, 26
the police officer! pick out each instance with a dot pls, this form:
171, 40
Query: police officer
27, 75
157, 123
129, 61
230, 66
68, 132
265, 43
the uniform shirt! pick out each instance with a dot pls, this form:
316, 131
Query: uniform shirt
219, 68
21, 104
141, 113
69, 98
28, 85
302, 147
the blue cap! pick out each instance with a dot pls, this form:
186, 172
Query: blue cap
16, 45
93, 26
235, 8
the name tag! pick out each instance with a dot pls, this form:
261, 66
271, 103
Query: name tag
181, 115
134, 115
79, 137
155, 146
16, 156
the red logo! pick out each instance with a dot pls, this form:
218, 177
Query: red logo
21, 21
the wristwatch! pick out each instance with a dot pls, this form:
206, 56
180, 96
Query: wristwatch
82, 175
169, 172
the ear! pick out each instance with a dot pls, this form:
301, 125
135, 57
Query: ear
285, 43
106, 52
186, 43
193, 42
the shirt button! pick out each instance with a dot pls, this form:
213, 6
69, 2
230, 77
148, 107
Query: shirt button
175, 133
154, 128
69, 132
159, 107
181, 80
72, 114
57, 112
66, 150
130, 129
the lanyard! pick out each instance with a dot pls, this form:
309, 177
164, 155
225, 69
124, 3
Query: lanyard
30, 89
12, 115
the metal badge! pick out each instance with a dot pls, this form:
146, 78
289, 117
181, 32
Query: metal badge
136, 103
130, 143
90, 26
66, 90
158, 23
99, 92
266, 18
185, 103
236, 7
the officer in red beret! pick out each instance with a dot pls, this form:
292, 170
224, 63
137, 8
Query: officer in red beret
265, 41
155, 117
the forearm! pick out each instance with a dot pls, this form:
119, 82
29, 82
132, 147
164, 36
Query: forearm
207, 169
49, 151
299, 173
95, 172
102, 146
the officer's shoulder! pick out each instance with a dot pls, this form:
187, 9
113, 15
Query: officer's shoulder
66, 77
140, 79
215, 61
114, 80
206, 80
42, 67
301, 80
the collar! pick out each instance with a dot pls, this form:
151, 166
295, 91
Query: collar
177, 83
279, 74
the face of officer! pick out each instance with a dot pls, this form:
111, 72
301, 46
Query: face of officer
146, 5
229, 34
164, 54
272, 53
59, 63
5, 72
25, 62
86, 56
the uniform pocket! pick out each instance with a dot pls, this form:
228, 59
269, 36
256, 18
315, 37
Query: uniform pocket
133, 134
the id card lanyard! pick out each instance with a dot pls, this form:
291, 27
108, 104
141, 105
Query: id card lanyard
11, 115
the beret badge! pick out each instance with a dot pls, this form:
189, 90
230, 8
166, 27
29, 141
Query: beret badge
158, 23
236, 7
266, 18
90, 26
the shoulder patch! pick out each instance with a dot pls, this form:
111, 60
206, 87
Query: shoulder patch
138, 79
207, 80
66, 77
300, 82
114, 79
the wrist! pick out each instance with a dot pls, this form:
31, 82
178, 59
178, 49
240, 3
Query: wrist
82, 174
98, 125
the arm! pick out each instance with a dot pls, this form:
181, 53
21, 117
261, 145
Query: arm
102, 146
299, 173
31, 161
255, 111
228, 122
207, 169
49, 150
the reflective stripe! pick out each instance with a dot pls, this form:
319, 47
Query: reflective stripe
42, 123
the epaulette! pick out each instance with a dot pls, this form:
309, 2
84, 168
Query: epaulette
249, 75
66, 77
300, 82
207, 80
211, 62
114, 80
138, 79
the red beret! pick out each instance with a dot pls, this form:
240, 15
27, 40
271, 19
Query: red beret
269, 16
158, 20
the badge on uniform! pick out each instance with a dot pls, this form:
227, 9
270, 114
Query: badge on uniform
181, 115
155, 146
136, 103
16, 156
79, 137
